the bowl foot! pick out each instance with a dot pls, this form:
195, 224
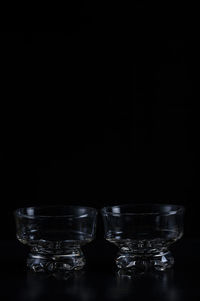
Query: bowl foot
141, 263
52, 262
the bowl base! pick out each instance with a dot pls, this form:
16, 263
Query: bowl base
68, 260
159, 261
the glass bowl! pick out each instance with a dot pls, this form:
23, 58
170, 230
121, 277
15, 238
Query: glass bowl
143, 233
55, 235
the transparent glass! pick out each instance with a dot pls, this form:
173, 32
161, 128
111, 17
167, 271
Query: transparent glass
55, 235
143, 233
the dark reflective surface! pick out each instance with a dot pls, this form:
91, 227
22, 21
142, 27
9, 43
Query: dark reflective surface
100, 280
159, 286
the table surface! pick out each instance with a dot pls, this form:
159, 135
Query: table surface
101, 280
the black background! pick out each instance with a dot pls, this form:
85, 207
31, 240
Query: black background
99, 108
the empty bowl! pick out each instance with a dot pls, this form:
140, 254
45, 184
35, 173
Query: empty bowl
143, 234
55, 235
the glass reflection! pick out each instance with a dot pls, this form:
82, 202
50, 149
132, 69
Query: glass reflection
159, 285
89, 285
50, 286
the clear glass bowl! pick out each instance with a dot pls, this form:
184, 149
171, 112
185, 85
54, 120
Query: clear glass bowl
55, 235
143, 233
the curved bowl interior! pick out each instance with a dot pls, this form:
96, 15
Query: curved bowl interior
148, 224
63, 224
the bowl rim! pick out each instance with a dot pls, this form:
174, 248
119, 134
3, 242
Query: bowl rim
19, 211
179, 209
